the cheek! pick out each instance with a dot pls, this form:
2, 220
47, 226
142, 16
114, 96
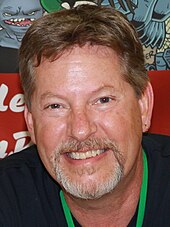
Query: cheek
114, 123
49, 133
125, 129
122, 125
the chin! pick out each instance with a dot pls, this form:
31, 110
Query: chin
92, 187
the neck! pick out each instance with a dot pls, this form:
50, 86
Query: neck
113, 209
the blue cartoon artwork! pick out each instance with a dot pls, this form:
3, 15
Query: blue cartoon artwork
16, 16
151, 19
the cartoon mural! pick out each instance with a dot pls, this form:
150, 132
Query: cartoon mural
15, 18
151, 19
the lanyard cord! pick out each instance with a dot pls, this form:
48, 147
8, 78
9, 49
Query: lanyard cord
143, 192
66, 209
142, 200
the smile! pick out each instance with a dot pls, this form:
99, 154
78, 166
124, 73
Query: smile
85, 155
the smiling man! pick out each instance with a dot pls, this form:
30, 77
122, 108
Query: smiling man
88, 103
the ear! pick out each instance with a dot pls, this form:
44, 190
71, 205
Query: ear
30, 123
146, 106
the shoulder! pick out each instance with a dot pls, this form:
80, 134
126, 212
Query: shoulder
26, 187
157, 142
27, 157
157, 148
20, 168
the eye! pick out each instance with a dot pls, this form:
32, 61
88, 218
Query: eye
54, 106
104, 100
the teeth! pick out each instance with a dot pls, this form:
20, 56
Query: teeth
20, 19
84, 155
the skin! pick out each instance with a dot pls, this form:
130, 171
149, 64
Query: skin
80, 81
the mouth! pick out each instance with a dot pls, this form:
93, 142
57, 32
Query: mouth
21, 22
85, 155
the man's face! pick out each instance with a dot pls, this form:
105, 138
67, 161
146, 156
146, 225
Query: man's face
86, 121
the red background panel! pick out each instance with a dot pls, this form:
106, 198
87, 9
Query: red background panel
160, 81
13, 130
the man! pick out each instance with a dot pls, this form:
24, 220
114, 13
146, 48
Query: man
88, 102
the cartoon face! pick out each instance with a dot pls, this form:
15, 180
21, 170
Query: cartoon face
18, 15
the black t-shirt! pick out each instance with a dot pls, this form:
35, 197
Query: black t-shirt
29, 197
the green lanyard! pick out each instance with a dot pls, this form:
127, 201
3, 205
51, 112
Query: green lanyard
142, 200
143, 193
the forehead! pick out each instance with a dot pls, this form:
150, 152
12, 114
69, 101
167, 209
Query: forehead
86, 55
81, 66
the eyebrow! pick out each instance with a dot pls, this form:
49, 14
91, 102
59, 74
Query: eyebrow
49, 94
103, 88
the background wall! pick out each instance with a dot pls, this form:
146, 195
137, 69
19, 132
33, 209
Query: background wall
151, 19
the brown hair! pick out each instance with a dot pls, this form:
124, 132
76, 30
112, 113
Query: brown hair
53, 34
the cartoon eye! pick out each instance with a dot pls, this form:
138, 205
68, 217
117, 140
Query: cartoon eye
7, 14
31, 13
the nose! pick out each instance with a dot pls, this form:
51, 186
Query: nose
82, 125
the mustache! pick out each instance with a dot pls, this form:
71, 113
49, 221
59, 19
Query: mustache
89, 144
73, 145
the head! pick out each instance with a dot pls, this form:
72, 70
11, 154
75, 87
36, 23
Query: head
87, 95
79, 26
